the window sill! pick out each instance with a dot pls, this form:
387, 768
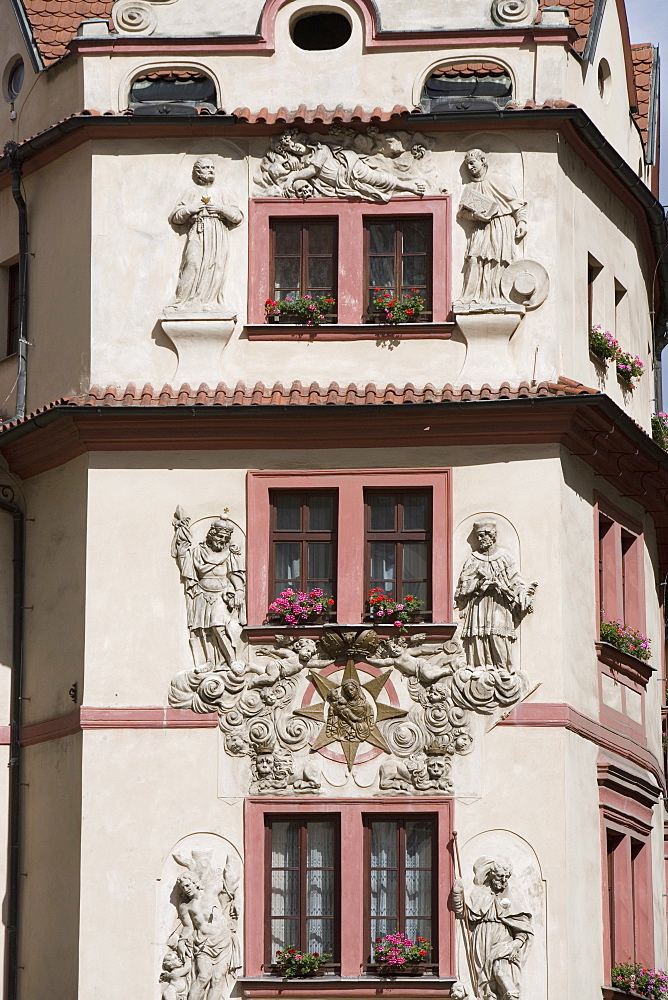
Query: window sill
363, 986
630, 666
435, 631
348, 331
612, 993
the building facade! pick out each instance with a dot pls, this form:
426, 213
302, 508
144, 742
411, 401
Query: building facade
299, 302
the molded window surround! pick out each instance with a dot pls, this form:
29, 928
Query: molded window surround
352, 296
620, 594
349, 486
626, 824
352, 815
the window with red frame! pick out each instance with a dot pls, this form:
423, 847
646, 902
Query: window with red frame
400, 895
304, 258
302, 894
303, 541
398, 543
399, 259
629, 896
620, 568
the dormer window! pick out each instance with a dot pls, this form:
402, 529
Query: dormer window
467, 86
172, 90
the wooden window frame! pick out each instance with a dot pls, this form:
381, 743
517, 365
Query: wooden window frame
351, 550
398, 257
304, 252
303, 820
400, 819
351, 281
303, 537
399, 536
628, 915
351, 813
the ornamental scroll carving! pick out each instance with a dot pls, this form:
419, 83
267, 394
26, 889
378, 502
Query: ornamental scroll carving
344, 163
349, 695
203, 955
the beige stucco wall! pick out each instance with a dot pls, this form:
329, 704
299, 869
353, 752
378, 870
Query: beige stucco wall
56, 504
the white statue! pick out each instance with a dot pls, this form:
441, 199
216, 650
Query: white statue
500, 924
493, 598
373, 165
203, 953
499, 222
206, 212
214, 579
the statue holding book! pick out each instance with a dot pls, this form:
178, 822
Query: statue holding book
498, 216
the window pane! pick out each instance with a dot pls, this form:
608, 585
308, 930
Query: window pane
420, 928
416, 590
381, 272
418, 844
414, 272
381, 237
285, 893
381, 927
383, 565
383, 893
416, 508
321, 238
416, 235
382, 510
320, 840
287, 561
319, 562
288, 511
320, 936
285, 845
321, 513
418, 893
284, 934
288, 238
321, 273
415, 560
384, 845
286, 277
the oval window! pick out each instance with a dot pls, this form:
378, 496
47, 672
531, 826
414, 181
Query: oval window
317, 31
14, 79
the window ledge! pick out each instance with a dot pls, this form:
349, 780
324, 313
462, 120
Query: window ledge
612, 993
632, 667
363, 986
348, 331
436, 631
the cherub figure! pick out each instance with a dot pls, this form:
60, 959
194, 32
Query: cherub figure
175, 976
425, 672
285, 659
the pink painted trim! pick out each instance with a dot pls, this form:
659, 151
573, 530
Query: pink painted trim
350, 215
5, 735
113, 718
366, 10
352, 813
362, 331
147, 45
350, 485
561, 715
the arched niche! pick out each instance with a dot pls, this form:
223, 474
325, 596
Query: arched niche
365, 9
465, 84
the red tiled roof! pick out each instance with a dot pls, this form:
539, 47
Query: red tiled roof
55, 22
303, 395
579, 14
319, 114
643, 65
471, 69
172, 74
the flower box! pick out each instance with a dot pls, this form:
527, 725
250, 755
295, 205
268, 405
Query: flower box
393, 971
612, 993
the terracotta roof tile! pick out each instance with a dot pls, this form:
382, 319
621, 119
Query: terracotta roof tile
55, 22
319, 114
297, 394
579, 14
643, 68
471, 68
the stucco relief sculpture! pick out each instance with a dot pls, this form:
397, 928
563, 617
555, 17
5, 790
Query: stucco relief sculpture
214, 580
425, 772
370, 165
493, 599
499, 922
514, 12
207, 214
203, 953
